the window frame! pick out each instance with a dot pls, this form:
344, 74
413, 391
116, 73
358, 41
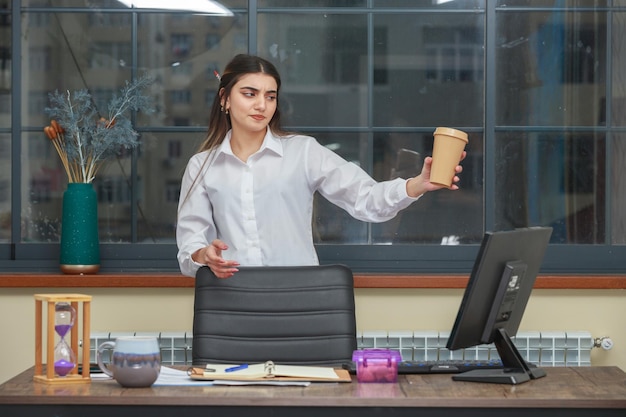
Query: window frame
393, 259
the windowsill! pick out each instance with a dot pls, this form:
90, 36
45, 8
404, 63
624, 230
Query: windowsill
361, 280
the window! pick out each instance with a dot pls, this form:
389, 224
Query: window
211, 40
40, 190
109, 55
5, 103
537, 88
209, 96
180, 96
180, 121
102, 96
110, 19
181, 45
454, 54
5, 65
211, 68
5, 191
113, 190
38, 20
181, 69
174, 149
172, 192
37, 100
5, 149
38, 150
39, 59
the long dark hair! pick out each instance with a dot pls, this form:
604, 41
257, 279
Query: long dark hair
219, 120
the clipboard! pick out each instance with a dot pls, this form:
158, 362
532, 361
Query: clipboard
269, 371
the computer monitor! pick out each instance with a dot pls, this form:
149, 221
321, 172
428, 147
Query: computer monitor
495, 299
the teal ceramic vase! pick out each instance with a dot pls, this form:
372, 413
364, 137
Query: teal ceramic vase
80, 246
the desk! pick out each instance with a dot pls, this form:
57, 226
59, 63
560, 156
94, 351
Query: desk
571, 392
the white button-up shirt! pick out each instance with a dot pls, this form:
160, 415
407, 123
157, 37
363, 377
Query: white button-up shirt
262, 209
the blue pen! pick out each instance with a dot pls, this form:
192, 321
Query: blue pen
236, 368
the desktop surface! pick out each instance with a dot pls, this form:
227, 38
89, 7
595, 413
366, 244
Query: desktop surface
583, 391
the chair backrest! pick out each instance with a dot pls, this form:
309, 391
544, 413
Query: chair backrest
300, 315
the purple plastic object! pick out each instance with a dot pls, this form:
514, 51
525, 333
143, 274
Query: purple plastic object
376, 365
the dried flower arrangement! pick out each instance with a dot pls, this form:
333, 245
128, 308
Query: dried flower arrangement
82, 138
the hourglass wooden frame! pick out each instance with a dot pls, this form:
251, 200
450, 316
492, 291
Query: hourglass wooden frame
73, 377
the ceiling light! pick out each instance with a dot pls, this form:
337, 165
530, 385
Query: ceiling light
198, 6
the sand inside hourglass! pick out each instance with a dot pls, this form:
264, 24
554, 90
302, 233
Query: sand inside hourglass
64, 358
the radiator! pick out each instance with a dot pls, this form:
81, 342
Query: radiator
553, 348
175, 346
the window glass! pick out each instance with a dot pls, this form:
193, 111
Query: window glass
72, 51
551, 68
330, 223
5, 107
44, 180
121, 4
5, 122
322, 62
428, 69
312, 3
552, 179
182, 52
619, 63
72, 3
234, 3
441, 4
163, 160
435, 218
618, 190
553, 3
443, 217
370, 80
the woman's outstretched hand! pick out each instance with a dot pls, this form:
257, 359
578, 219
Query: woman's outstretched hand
211, 256
421, 184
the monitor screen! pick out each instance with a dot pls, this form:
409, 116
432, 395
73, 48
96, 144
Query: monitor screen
495, 299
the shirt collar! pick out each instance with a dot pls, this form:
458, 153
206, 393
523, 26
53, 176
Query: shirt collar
271, 142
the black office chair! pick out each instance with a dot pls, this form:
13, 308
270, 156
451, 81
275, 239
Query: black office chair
292, 315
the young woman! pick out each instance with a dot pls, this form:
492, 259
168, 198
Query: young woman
247, 195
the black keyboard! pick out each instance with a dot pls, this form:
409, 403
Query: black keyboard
439, 367
446, 366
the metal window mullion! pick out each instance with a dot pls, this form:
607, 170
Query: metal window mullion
16, 126
253, 17
608, 138
370, 103
489, 140
134, 198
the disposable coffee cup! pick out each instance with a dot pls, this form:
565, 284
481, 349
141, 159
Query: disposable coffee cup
447, 150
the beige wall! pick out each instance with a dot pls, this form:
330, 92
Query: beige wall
602, 312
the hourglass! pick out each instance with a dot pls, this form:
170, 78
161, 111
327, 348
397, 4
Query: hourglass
64, 358
62, 320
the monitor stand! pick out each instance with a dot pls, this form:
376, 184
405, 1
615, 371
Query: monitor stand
515, 369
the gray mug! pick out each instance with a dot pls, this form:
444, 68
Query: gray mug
135, 363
